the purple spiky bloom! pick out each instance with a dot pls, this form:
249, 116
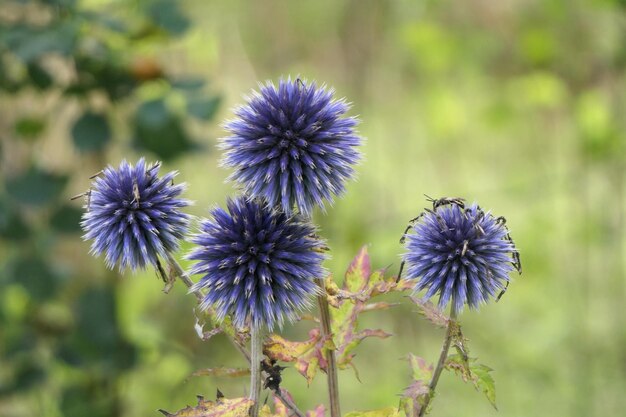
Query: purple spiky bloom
134, 216
257, 263
464, 255
292, 145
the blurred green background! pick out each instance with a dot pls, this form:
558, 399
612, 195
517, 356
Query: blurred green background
519, 105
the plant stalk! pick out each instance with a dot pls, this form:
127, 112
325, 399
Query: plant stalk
256, 351
331, 371
442, 360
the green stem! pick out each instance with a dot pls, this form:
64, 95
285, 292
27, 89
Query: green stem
331, 371
256, 350
442, 361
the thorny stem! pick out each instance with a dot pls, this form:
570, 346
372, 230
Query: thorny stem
180, 273
442, 360
256, 350
288, 403
331, 372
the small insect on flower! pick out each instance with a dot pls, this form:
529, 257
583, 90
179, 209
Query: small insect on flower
292, 145
461, 253
133, 216
257, 263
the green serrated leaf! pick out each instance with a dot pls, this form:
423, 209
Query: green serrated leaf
478, 374
222, 407
485, 382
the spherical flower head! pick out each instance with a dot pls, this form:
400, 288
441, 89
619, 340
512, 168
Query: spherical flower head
292, 145
257, 264
462, 254
134, 216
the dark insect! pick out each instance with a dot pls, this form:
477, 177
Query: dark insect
273, 379
444, 201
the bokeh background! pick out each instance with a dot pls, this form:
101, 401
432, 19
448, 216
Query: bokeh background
519, 105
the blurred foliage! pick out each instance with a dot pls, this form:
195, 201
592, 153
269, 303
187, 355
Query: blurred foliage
82, 73
517, 104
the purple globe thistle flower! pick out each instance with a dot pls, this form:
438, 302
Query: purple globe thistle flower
133, 216
257, 264
292, 145
462, 254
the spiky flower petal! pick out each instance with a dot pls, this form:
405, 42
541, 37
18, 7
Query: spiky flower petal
292, 145
462, 254
257, 264
134, 216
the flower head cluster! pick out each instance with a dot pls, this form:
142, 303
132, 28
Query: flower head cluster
258, 264
292, 145
134, 216
462, 254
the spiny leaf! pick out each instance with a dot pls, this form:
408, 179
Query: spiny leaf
352, 299
319, 411
359, 268
281, 409
382, 412
308, 355
430, 312
422, 370
413, 397
222, 371
479, 375
222, 407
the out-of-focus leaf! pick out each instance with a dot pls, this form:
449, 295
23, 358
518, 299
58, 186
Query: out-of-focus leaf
88, 399
29, 127
431, 312
91, 132
308, 355
12, 226
478, 374
39, 76
27, 375
222, 407
66, 219
160, 131
222, 372
31, 43
97, 338
167, 15
203, 109
36, 187
35, 275
382, 412
189, 83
